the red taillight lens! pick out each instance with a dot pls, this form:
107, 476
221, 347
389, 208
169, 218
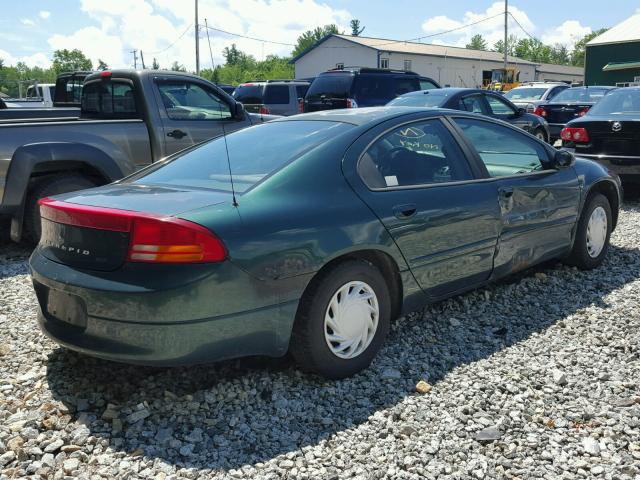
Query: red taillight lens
152, 238
583, 112
301, 106
578, 135
540, 111
351, 103
264, 110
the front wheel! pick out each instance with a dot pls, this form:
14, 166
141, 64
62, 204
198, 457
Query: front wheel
342, 320
592, 236
540, 133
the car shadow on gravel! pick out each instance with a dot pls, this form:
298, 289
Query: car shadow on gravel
234, 413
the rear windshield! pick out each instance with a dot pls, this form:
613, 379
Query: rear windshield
276, 94
109, 99
254, 154
430, 98
618, 102
249, 94
581, 94
520, 94
330, 85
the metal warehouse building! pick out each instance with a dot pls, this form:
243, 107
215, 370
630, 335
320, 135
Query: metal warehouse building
613, 58
450, 66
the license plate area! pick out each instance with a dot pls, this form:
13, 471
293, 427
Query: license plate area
66, 308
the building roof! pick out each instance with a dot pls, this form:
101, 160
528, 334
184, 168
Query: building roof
562, 69
627, 31
396, 46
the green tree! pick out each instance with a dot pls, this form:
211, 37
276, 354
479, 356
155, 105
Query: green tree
178, 67
70, 60
102, 65
477, 43
155, 65
579, 50
1, 63
512, 41
560, 55
355, 28
309, 38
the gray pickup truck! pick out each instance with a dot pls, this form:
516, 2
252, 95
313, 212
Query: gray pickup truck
128, 120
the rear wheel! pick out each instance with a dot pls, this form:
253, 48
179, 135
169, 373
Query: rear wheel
342, 320
47, 187
592, 236
540, 133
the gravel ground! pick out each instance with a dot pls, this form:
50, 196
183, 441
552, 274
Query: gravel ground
533, 378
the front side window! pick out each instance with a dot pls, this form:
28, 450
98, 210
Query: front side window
499, 107
189, 101
421, 153
503, 151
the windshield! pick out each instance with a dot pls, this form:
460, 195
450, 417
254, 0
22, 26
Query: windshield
249, 93
430, 98
331, 85
580, 94
618, 102
525, 94
254, 154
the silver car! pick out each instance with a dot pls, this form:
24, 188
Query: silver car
529, 95
276, 97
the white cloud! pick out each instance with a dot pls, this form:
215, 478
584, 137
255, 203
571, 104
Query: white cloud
493, 29
154, 26
44, 14
36, 60
28, 22
566, 34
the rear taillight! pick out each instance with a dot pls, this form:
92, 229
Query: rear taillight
301, 106
152, 238
540, 111
351, 103
264, 110
578, 135
583, 112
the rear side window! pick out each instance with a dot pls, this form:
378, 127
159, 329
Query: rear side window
249, 94
421, 153
426, 84
381, 87
109, 99
331, 85
301, 90
254, 153
472, 103
276, 94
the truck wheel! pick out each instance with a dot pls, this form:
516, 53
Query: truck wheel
47, 187
342, 320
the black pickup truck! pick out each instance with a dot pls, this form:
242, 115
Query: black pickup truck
128, 120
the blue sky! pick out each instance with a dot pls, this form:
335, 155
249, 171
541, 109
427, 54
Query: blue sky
30, 29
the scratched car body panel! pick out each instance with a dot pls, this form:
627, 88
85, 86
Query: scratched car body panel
426, 191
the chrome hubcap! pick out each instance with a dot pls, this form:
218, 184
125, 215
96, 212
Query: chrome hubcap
596, 232
541, 136
351, 320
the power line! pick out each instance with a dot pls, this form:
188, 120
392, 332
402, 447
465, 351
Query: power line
176, 41
521, 27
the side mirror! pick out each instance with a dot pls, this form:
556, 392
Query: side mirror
521, 111
563, 159
238, 111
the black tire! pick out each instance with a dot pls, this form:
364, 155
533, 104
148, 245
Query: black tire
579, 256
47, 187
308, 345
541, 134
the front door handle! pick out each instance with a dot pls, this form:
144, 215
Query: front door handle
177, 134
404, 212
506, 192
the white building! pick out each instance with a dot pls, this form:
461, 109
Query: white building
449, 66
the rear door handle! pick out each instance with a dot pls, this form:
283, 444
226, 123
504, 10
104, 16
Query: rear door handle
178, 134
506, 192
406, 211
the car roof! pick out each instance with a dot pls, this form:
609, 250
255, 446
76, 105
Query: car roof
361, 116
446, 90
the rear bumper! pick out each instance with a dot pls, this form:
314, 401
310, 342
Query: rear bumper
555, 129
159, 327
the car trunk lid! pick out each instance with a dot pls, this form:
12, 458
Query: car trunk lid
611, 137
93, 230
563, 113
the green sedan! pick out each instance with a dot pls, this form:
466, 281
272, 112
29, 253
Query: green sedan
309, 234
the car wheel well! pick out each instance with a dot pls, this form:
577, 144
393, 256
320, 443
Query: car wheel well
609, 191
383, 262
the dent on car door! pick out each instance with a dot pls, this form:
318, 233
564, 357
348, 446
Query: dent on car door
539, 205
191, 113
417, 180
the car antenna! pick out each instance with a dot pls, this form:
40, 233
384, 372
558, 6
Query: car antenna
226, 147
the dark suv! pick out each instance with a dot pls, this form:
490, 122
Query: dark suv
353, 87
277, 97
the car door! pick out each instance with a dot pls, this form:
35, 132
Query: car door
500, 108
539, 205
191, 112
416, 178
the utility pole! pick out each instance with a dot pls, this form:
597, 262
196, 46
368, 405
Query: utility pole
142, 60
135, 59
206, 26
506, 13
197, 42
